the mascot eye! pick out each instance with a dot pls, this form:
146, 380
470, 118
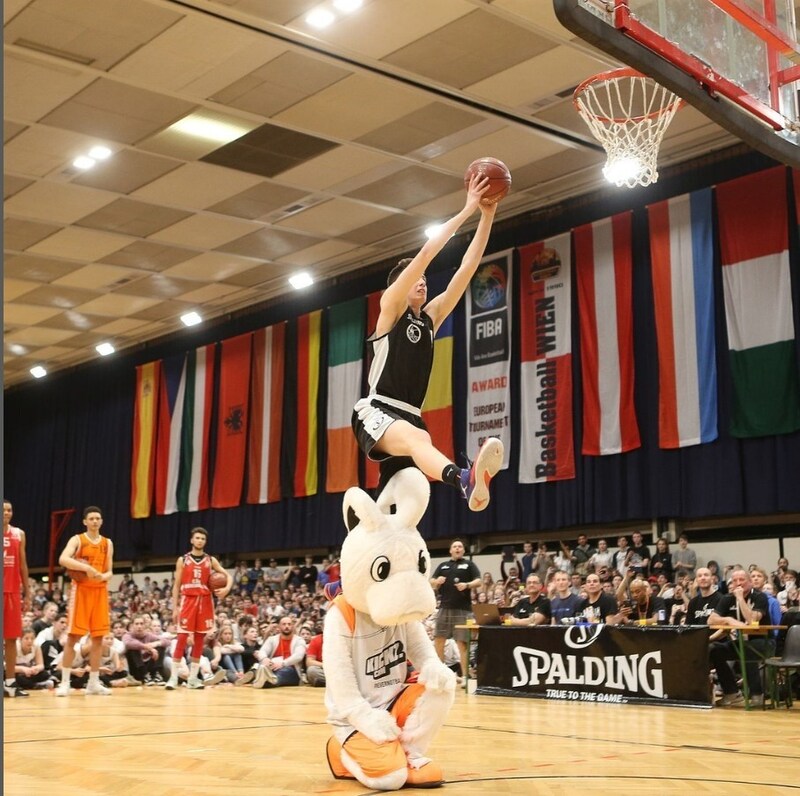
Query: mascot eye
422, 564
380, 568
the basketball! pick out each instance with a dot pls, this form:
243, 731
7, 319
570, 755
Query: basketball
217, 580
498, 174
77, 575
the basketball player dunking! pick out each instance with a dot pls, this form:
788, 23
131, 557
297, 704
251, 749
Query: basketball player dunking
388, 422
93, 555
192, 606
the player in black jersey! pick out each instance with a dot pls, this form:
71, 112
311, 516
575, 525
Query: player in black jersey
388, 422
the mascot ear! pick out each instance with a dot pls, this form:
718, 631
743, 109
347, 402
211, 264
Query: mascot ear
409, 491
358, 508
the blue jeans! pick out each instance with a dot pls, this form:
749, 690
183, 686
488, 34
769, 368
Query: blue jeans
287, 675
232, 663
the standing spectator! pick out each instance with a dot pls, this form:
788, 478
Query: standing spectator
273, 575
309, 574
575, 583
193, 607
542, 563
640, 560
91, 554
705, 598
661, 562
280, 658
534, 608
315, 673
684, 559
254, 575
145, 652
453, 580
15, 580
563, 560
526, 562
603, 558
564, 604
291, 577
622, 558
582, 555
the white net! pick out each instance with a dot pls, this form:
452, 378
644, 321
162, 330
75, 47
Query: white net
628, 113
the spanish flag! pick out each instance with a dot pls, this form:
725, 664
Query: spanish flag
143, 464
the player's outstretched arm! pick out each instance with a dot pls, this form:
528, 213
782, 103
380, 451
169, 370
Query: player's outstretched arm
395, 298
441, 306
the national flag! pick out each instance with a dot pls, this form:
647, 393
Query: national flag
682, 259
232, 421
266, 415
346, 333
754, 247
300, 445
547, 445
437, 408
145, 423
371, 468
604, 269
171, 398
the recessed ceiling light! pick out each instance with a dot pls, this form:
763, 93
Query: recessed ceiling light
301, 280
199, 126
191, 319
346, 6
320, 18
104, 349
16, 348
37, 371
99, 152
83, 162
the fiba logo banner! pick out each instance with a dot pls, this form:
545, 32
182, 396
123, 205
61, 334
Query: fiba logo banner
489, 351
581, 636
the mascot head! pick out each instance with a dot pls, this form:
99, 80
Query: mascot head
385, 563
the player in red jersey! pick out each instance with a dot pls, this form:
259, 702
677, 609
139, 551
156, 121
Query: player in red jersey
192, 606
15, 577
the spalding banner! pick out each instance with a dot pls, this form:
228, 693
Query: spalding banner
596, 663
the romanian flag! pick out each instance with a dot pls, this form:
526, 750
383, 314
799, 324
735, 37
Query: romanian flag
302, 377
682, 261
145, 415
346, 333
437, 409
754, 248
232, 422
604, 269
371, 468
266, 414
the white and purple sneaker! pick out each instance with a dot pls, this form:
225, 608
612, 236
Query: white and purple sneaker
475, 481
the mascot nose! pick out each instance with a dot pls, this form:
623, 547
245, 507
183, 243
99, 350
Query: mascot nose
403, 597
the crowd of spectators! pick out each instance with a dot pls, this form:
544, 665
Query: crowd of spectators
268, 629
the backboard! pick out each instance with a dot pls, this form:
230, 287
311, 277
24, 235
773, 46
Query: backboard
737, 61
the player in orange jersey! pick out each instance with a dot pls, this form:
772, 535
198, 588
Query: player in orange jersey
90, 557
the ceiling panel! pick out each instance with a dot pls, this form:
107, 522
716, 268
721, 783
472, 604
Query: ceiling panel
59, 203
129, 217
19, 235
84, 245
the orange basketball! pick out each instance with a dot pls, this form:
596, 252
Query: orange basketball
498, 174
77, 575
217, 580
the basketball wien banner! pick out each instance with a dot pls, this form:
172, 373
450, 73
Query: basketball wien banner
604, 270
682, 261
266, 413
489, 353
232, 422
145, 416
754, 247
546, 448
184, 425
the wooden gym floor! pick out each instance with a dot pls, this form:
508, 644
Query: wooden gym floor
236, 740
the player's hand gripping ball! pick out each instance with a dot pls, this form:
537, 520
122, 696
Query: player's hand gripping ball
216, 580
498, 174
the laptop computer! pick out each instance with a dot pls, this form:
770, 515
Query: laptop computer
487, 614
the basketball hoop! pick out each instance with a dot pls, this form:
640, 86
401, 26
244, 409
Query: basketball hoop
628, 113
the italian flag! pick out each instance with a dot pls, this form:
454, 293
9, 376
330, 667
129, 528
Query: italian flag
754, 247
346, 325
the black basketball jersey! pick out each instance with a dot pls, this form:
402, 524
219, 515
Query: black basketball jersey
403, 360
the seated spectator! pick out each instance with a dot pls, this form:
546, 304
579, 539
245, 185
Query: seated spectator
599, 605
280, 658
661, 562
30, 670
49, 614
112, 672
789, 583
642, 607
575, 583
677, 606
705, 598
230, 654
52, 632
717, 578
315, 673
145, 652
564, 604
534, 608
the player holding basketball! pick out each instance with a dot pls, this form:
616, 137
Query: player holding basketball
15, 577
93, 555
388, 422
192, 606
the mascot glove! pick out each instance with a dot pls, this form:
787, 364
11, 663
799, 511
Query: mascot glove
377, 724
436, 677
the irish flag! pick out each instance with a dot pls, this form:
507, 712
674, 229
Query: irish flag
682, 259
266, 413
346, 333
754, 245
145, 417
604, 269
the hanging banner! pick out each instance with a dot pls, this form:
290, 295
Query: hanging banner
489, 353
546, 448
596, 663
